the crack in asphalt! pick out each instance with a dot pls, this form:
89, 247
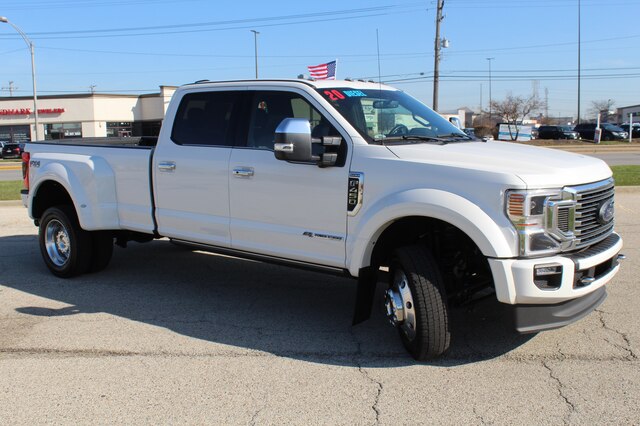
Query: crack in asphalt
311, 356
628, 348
255, 415
560, 388
479, 416
358, 354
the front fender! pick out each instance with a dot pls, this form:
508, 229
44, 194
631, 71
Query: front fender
495, 237
90, 182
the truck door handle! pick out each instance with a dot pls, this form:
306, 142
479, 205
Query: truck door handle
167, 166
243, 172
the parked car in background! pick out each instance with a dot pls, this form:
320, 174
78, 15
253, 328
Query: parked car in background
557, 132
634, 129
12, 150
470, 131
609, 131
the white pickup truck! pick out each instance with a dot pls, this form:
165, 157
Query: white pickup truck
345, 177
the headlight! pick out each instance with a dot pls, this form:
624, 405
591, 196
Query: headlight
543, 219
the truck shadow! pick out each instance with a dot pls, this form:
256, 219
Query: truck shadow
243, 304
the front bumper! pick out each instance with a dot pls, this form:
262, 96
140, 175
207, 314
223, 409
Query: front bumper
534, 318
582, 273
580, 288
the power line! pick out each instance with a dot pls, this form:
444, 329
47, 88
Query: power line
344, 14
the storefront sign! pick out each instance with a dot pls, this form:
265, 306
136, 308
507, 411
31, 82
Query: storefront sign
27, 111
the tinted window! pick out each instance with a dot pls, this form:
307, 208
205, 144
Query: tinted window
206, 118
612, 127
269, 108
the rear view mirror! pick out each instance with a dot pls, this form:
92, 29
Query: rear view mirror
386, 104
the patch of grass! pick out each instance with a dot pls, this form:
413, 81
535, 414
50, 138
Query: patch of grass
10, 190
626, 175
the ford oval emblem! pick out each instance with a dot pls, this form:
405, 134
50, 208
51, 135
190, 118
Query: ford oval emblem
606, 212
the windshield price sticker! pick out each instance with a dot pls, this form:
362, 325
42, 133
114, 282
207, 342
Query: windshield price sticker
337, 95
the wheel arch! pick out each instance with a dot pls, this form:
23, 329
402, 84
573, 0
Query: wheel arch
88, 186
402, 217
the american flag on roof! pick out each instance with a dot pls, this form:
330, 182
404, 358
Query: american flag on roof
324, 71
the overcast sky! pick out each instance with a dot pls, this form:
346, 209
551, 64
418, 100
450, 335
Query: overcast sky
126, 46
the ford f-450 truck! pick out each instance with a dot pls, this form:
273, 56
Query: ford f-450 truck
345, 177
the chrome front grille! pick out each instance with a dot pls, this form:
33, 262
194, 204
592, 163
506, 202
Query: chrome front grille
591, 224
563, 219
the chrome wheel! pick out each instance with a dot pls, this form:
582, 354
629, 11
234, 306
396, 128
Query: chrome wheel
57, 242
399, 305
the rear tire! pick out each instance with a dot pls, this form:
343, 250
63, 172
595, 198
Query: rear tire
66, 248
418, 289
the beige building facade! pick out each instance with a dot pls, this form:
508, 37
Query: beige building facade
83, 115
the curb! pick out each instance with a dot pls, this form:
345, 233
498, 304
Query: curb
11, 203
627, 189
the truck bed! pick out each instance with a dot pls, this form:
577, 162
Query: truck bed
109, 179
131, 142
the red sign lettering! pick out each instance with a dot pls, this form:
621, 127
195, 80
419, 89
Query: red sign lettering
27, 111
17, 111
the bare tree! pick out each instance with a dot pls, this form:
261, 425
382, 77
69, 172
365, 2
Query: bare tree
513, 109
602, 108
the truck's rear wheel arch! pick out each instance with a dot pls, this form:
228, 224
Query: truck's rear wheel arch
457, 255
49, 194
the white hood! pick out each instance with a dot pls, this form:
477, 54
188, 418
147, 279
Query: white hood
537, 167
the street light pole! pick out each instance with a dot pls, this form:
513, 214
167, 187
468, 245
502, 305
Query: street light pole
490, 99
255, 43
33, 71
579, 48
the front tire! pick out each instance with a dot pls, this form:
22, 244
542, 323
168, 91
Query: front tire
66, 248
417, 304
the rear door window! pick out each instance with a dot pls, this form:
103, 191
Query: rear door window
207, 118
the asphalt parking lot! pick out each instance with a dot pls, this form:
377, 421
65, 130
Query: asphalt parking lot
166, 335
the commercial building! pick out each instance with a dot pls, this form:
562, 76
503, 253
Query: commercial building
83, 115
624, 112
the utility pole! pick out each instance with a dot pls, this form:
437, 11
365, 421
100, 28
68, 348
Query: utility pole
490, 99
11, 88
255, 43
436, 63
546, 102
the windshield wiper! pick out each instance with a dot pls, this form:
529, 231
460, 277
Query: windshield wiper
410, 139
456, 135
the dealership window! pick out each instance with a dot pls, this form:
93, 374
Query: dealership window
15, 134
147, 128
62, 130
119, 129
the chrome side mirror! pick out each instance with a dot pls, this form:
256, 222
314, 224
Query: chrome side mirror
293, 140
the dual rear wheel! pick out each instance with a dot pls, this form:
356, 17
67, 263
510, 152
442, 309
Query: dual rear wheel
67, 249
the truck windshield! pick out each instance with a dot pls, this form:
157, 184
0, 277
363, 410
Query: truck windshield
390, 116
